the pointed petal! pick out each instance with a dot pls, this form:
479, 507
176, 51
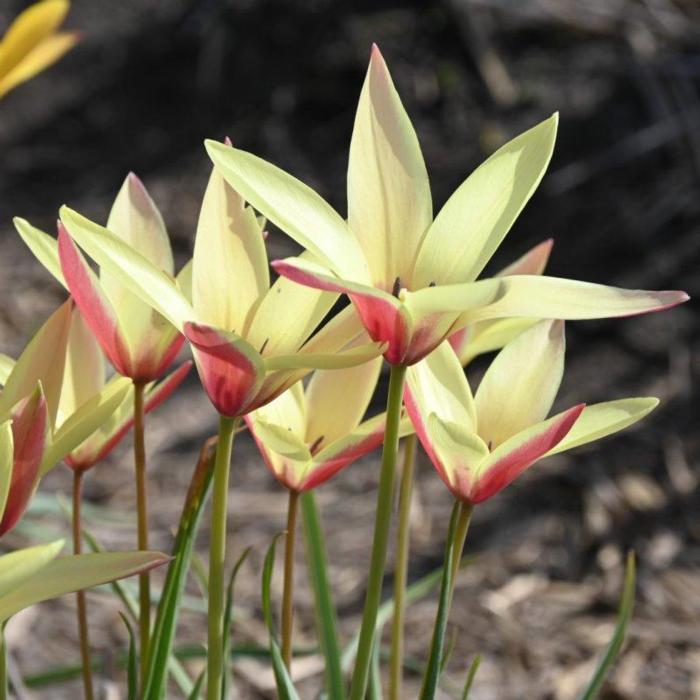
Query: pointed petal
43, 360
519, 452
287, 315
183, 280
287, 411
294, 207
533, 262
570, 300
150, 284
29, 29
6, 461
96, 309
338, 399
19, 565
477, 217
603, 419
30, 430
230, 272
520, 385
6, 366
43, 55
86, 419
44, 247
381, 313
68, 574
389, 202
230, 369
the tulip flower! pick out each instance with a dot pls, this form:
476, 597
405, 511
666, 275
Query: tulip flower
250, 340
412, 279
30, 400
479, 444
137, 340
32, 43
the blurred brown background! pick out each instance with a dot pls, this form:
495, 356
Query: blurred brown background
153, 78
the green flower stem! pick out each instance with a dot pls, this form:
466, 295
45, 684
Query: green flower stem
80, 595
381, 534
217, 558
401, 568
463, 519
288, 591
142, 526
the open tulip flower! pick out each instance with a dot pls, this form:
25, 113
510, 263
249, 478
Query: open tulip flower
250, 340
30, 401
84, 377
412, 278
306, 436
32, 43
137, 340
480, 444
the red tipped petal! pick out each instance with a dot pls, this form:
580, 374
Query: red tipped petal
532, 263
29, 431
230, 369
507, 463
93, 304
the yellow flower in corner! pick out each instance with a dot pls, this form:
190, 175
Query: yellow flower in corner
33, 43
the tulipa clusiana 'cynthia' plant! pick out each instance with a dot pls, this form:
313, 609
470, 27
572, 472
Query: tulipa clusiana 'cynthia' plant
415, 298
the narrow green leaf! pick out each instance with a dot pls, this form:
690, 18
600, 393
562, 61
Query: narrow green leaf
285, 687
228, 612
197, 689
168, 607
623, 618
323, 597
470, 677
131, 662
432, 671
374, 688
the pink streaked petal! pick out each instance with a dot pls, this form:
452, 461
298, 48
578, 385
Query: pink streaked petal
280, 467
160, 360
420, 425
230, 369
343, 453
29, 432
506, 464
381, 314
460, 339
533, 262
93, 304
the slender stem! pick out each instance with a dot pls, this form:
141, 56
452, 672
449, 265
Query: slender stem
142, 525
80, 595
217, 558
382, 522
463, 519
288, 592
401, 568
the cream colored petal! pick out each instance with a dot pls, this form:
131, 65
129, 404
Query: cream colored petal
520, 385
476, 219
389, 202
230, 272
44, 247
287, 411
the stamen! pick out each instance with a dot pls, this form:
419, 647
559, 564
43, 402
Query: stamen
316, 444
490, 445
397, 287
432, 284
264, 345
